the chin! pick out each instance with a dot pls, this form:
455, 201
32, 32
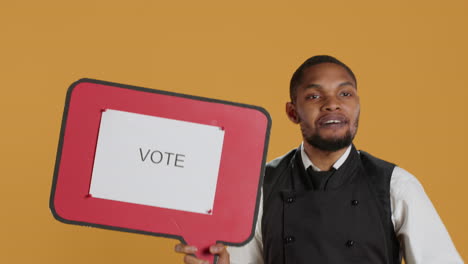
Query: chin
331, 143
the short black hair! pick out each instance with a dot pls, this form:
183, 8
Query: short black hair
296, 79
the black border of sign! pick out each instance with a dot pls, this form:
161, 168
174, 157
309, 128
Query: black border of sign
125, 86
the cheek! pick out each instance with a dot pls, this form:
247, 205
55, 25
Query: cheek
307, 114
356, 113
303, 117
306, 120
355, 110
356, 118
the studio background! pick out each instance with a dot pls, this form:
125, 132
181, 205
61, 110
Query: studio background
409, 57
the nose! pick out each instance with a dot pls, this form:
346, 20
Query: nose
331, 104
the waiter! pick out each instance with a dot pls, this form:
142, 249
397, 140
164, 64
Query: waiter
327, 202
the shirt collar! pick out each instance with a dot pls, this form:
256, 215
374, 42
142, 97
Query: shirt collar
307, 162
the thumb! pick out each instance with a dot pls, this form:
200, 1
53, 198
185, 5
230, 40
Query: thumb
220, 250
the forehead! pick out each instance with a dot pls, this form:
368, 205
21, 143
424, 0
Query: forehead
326, 73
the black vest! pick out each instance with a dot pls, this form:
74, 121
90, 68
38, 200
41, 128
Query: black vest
349, 222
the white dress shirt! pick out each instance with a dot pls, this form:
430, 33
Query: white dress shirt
422, 235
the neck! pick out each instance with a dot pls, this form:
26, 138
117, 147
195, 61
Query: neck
324, 160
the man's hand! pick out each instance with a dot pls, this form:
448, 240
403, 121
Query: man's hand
218, 249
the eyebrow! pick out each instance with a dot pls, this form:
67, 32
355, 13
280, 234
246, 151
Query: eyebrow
313, 85
347, 83
318, 86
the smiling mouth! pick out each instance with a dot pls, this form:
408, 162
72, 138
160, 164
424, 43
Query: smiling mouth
335, 121
333, 124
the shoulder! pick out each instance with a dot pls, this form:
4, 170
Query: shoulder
403, 177
275, 171
379, 171
281, 160
278, 165
400, 179
404, 185
373, 161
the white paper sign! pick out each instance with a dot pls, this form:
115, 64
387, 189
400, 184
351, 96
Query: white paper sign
156, 161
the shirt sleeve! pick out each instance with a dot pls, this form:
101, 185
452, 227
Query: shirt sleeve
422, 235
252, 252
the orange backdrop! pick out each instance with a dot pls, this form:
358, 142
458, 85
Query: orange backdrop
409, 56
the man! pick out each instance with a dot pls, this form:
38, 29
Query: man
326, 202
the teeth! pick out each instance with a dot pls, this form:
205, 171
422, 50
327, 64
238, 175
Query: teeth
332, 122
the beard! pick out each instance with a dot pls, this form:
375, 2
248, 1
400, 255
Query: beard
333, 144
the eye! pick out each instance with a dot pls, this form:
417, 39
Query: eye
345, 94
313, 96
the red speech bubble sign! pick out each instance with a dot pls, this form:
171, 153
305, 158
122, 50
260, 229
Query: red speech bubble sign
236, 201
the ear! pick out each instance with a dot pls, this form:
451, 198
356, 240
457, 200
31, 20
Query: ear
291, 112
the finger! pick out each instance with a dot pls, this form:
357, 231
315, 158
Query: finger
188, 259
221, 251
186, 249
